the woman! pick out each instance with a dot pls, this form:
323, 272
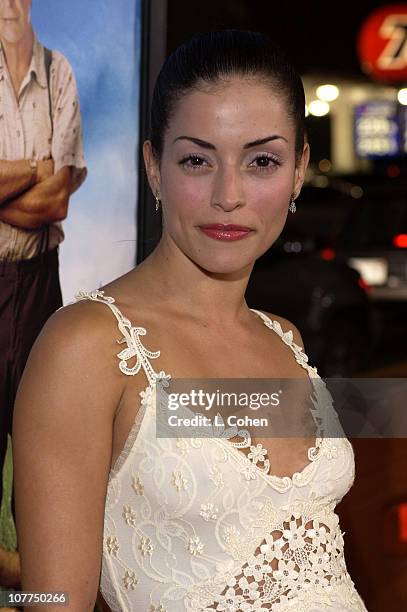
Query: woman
185, 523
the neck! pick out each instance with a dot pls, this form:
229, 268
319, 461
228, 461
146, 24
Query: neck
18, 55
183, 285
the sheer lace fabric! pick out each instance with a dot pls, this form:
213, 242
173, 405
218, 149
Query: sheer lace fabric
193, 524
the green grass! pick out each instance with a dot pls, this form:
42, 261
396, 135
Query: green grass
7, 528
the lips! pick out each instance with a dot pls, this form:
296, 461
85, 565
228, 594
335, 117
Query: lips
228, 232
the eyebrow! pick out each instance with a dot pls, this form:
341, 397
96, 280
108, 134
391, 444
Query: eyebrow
248, 145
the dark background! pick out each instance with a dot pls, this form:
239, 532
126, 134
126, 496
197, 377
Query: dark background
318, 36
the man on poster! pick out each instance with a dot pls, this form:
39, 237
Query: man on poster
41, 165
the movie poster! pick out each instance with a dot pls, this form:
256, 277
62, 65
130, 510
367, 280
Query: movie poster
77, 109
101, 40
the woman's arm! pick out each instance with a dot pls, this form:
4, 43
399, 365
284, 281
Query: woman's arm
62, 444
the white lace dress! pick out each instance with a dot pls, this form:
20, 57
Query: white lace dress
194, 524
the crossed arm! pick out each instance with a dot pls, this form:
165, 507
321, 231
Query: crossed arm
31, 207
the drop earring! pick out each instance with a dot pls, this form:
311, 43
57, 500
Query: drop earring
292, 207
157, 202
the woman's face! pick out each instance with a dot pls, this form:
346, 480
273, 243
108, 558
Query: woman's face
228, 158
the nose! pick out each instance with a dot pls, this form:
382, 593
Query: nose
228, 192
8, 4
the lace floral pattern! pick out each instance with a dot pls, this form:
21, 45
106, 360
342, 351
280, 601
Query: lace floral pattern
131, 337
298, 556
194, 524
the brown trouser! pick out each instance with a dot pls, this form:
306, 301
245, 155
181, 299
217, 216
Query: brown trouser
29, 293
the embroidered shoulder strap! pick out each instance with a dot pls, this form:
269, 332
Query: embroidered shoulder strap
323, 412
131, 334
287, 338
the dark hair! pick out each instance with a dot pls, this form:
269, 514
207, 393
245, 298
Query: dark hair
210, 57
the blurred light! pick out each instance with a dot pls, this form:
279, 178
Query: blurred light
324, 165
400, 241
356, 192
373, 270
327, 300
318, 108
402, 96
320, 181
393, 281
357, 95
327, 93
402, 516
328, 254
363, 284
393, 171
292, 247
306, 111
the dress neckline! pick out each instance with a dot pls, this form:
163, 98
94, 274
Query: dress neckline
135, 348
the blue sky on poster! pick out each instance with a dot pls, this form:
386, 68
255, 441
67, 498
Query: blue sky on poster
100, 38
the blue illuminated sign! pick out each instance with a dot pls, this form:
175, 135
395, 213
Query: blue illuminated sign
377, 129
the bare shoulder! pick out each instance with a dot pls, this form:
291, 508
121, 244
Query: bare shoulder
78, 346
83, 324
287, 325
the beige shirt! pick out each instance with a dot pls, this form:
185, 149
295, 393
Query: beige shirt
26, 133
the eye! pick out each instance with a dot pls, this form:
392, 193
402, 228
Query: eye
193, 162
265, 162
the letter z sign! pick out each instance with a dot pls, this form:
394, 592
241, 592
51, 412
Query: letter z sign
382, 44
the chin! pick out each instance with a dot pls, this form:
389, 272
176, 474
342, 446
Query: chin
218, 265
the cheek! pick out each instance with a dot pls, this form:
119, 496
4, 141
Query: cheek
184, 197
270, 200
